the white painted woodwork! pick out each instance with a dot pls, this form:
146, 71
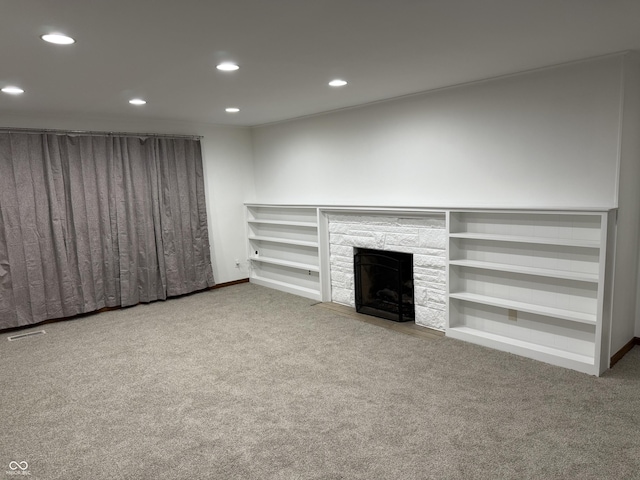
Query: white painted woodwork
527, 282
284, 249
530, 283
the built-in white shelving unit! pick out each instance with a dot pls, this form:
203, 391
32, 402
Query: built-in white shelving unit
284, 248
527, 282
530, 283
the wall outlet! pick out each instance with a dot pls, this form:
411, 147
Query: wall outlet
513, 315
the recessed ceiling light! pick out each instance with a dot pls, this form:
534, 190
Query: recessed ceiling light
228, 67
13, 90
58, 39
137, 101
337, 83
232, 110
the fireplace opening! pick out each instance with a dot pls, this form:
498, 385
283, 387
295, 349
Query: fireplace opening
384, 284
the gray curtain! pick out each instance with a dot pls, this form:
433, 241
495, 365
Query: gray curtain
88, 222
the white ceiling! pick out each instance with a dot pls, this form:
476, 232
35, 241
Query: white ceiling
166, 51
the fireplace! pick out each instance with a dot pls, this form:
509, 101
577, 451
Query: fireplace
384, 284
423, 236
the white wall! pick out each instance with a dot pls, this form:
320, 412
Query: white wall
228, 173
627, 241
547, 138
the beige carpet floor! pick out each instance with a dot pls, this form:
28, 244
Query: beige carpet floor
246, 382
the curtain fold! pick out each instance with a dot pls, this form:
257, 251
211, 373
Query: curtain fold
88, 222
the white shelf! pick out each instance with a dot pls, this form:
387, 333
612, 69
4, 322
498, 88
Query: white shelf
543, 272
526, 239
498, 258
521, 347
287, 287
286, 241
287, 263
284, 249
569, 315
283, 223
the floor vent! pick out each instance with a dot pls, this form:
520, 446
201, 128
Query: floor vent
24, 335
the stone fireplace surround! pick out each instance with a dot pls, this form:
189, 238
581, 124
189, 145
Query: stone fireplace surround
423, 236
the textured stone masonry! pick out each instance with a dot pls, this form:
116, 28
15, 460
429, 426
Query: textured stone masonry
424, 237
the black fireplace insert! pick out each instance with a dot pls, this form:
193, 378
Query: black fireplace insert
384, 284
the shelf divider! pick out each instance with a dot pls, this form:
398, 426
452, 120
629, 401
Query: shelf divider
524, 239
287, 241
287, 287
569, 315
287, 263
283, 222
532, 350
543, 272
